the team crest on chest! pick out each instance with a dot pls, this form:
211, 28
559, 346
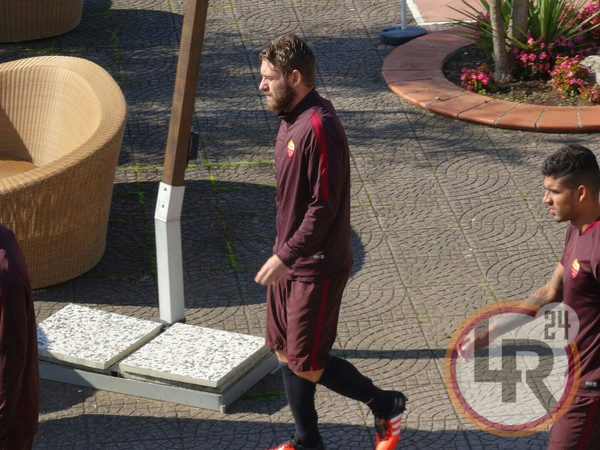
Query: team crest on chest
574, 268
290, 148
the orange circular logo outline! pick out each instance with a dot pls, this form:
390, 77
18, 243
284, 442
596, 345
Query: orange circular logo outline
461, 405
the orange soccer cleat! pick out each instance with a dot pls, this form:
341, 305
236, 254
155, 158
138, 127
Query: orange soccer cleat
388, 428
292, 445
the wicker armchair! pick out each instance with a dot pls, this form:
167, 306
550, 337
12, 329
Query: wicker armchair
25, 20
61, 128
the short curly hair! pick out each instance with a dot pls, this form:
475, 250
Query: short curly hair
289, 53
576, 165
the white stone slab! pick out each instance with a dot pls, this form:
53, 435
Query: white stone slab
92, 338
196, 356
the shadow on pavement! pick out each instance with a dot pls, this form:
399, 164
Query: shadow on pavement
95, 431
139, 48
426, 353
228, 230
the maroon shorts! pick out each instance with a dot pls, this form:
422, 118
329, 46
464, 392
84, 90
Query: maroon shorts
302, 319
579, 427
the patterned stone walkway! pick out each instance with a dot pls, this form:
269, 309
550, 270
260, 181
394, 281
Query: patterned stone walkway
446, 218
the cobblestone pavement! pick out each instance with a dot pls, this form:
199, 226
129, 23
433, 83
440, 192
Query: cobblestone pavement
447, 218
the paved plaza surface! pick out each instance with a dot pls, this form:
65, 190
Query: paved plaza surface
446, 218
435, 11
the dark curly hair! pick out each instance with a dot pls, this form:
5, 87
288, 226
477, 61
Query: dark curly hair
289, 53
576, 164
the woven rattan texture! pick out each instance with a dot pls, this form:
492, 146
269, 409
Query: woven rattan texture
25, 20
65, 115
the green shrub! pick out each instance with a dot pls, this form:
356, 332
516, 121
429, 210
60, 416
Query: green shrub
557, 23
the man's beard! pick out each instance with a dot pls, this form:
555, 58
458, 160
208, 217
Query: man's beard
282, 100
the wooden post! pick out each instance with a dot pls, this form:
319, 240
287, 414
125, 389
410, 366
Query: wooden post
167, 217
184, 96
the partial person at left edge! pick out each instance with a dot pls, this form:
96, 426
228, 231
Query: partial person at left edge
19, 372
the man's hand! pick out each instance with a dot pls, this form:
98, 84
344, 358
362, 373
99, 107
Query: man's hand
473, 341
272, 272
550, 292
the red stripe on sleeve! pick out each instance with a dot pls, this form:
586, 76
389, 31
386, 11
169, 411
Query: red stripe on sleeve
315, 120
322, 308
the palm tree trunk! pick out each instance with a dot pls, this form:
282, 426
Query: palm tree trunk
520, 24
502, 69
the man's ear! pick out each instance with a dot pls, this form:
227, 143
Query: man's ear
296, 78
583, 192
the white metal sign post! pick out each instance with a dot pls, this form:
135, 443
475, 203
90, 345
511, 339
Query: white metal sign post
167, 217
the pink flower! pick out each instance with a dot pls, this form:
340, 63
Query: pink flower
530, 41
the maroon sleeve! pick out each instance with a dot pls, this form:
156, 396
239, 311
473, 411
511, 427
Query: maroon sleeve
13, 329
325, 151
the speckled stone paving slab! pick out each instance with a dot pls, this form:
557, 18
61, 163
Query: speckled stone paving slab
196, 355
91, 338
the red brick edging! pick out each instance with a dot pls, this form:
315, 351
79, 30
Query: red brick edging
414, 72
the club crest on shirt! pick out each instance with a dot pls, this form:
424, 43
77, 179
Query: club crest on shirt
290, 148
575, 268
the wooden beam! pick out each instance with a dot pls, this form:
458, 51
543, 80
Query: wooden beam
184, 95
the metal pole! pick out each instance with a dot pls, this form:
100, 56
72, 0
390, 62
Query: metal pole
399, 34
167, 217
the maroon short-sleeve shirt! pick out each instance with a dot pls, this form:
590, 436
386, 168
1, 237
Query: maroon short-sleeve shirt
581, 291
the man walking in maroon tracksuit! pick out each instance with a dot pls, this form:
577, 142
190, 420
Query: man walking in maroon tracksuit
312, 256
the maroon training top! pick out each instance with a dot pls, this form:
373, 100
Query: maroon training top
19, 376
581, 291
312, 171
